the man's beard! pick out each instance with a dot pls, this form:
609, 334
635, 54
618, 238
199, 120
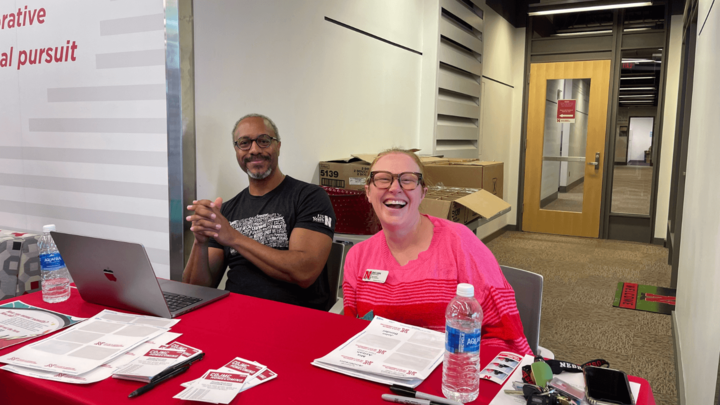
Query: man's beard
260, 176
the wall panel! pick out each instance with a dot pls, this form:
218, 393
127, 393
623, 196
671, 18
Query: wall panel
83, 139
332, 91
698, 276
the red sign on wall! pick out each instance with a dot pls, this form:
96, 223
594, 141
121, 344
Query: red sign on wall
566, 111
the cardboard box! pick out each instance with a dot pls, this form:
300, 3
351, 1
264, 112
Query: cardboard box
348, 173
19, 264
467, 173
462, 205
460, 197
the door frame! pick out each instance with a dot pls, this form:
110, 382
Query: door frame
586, 222
599, 47
595, 47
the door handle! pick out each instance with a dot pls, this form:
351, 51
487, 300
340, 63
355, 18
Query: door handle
596, 163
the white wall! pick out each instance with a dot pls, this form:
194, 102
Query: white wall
331, 91
504, 61
551, 139
640, 137
345, 93
624, 113
698, 299
672, 77
83, 143
577, 133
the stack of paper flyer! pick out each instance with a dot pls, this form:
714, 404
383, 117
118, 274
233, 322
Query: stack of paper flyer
388, 352
216, 385
256, 372
91, 350
156, 361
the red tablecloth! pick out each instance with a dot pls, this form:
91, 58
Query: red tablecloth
286, 338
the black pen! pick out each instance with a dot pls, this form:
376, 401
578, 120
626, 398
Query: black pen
152, 384
188, 362
409, 392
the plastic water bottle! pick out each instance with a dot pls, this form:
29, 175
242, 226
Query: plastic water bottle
55, 276
461, 365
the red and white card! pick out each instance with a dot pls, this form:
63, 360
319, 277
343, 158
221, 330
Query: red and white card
151, 364
264, 376
214, 386
239, 365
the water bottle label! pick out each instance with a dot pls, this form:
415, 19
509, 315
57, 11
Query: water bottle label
457, 341
51, 261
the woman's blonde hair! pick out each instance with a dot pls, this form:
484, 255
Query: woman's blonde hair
399, 152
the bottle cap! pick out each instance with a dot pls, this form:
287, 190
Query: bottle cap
48, 228
466, 290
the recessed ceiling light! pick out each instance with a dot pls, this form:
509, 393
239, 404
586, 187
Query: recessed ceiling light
590, 8
637, 88
637, 78
639, 96
565, 34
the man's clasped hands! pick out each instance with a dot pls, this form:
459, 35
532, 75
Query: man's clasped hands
207, 222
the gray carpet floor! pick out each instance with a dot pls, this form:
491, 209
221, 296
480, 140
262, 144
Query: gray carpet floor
578, 320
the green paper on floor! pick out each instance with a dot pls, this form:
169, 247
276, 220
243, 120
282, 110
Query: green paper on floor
644, 298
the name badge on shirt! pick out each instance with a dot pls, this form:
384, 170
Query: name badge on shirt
375, 276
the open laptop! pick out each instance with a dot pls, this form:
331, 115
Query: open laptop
119, 275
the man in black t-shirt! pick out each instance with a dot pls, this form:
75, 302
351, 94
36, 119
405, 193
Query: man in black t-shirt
275, 235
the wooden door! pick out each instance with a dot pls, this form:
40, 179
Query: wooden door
563, 159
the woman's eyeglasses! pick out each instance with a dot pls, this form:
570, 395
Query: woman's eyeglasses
408, 180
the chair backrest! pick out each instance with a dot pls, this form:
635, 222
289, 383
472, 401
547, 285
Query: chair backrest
335, 264
528, 288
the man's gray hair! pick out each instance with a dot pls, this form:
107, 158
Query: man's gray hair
268, 124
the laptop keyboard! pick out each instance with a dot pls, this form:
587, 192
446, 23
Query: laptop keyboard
176, 301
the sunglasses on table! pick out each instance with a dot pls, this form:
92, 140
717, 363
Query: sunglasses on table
407, 180
245, 143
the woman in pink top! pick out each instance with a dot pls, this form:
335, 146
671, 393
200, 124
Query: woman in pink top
410, 270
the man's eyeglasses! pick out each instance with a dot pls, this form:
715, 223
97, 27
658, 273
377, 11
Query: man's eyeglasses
408, 180
263, 141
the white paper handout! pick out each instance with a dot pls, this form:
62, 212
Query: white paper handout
103, 371
240, 365
151, 364
265, 376
388, 352
188, 351
20, 322
85, 346
214, 386
155, 361
115, 316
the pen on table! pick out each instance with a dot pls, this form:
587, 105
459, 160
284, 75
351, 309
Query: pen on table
152, 385
188, 362
409, 392
407, 400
